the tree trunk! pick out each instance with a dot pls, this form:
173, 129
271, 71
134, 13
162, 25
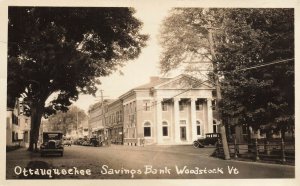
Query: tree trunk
218, 91
36, 116
282, 131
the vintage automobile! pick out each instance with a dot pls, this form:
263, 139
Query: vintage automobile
95, 142
52, 143
85, 142
210, 139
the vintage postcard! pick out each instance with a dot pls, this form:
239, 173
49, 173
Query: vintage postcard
149, 92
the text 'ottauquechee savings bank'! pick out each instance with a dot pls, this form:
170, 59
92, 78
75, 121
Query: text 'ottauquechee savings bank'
106, 170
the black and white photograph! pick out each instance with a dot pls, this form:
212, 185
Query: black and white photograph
148, 91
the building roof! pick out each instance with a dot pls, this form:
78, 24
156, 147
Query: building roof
152, 83
99, 104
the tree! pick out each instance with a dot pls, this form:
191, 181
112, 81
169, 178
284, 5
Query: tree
67, 121
64, 51
233, 40
187, 36
262, 97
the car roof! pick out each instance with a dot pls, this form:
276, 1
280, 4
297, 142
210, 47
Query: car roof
53, 132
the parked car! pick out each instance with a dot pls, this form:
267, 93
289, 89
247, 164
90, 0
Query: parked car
52, 143
67, 142
78, 141
95, 142
210, 139
86, 143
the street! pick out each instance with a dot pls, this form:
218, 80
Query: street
149, 162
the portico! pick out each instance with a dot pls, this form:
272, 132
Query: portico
187, 118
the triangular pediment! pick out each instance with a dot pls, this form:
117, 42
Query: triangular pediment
185, 82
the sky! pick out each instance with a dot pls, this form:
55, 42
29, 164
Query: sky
135, 72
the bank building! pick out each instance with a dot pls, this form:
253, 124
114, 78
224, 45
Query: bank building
164, 111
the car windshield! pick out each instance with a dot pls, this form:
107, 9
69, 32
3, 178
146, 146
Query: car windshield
52, 136
213, 135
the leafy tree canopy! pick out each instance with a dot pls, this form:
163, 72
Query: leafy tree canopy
64, 51
242, 38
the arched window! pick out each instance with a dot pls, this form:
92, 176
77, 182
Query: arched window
147, 129
198, 128
165, 128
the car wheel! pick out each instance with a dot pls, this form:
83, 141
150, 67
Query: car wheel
62, 154
201, 145
42, 154
196, 144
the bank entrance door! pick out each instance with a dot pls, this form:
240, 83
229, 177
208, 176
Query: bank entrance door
183, 133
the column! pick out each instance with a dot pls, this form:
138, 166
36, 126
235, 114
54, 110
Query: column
209, 116
193, 119
176, 120
159, 121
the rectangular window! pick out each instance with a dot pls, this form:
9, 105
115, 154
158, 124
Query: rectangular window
165, 131
130, 107
164, 106
215, 128
13, 136
132, 118
214, 93
213, 104
181, 106
147, 131
198, 130
183, 133
15, 119
134, 106
199, 105
146, 106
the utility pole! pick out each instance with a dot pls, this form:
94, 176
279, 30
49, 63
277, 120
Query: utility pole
218, 91
103, 114
77, 123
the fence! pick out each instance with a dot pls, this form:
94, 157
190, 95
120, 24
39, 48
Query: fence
270, 150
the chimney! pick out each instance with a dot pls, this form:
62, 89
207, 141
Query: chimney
154, 78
